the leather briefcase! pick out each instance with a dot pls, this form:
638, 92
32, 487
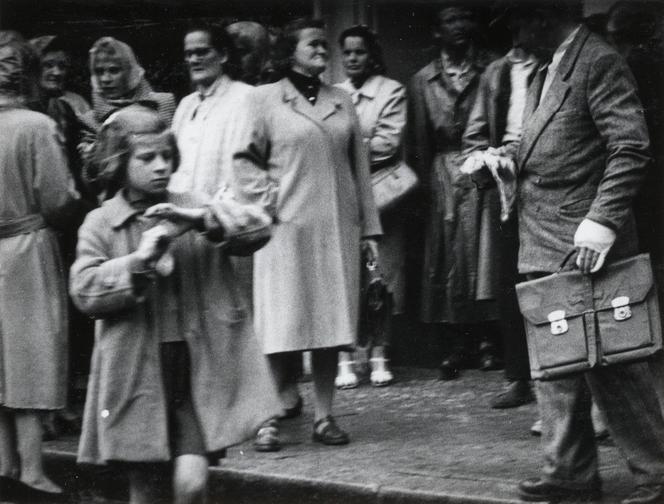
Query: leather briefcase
392, 184
575, 322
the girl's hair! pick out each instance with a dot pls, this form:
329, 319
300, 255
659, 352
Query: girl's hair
377, 63
288, 39
221, 41
116, 141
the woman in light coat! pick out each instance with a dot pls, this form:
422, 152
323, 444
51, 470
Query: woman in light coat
381, 106
304, 160
35, 191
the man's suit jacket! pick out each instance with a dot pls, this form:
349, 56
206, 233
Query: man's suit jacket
583, 154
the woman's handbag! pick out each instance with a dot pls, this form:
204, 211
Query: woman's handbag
575, 322
392, 184
375, 307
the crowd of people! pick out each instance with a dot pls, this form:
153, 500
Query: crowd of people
215, 240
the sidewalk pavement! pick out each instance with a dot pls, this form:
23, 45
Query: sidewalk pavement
418, 441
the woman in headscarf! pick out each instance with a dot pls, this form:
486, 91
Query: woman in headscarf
36, 190
118, 80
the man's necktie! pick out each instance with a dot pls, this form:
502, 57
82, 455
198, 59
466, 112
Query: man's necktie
535, 91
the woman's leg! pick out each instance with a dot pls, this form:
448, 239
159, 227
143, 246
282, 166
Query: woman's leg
9, 467
281, 365
323, 368
29, 444
190, 476
380, 369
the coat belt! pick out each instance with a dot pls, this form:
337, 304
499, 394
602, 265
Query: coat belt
21, 225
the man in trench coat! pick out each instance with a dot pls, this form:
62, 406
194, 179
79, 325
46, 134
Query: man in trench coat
584, 152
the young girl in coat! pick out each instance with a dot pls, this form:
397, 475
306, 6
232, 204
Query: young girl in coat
177, 374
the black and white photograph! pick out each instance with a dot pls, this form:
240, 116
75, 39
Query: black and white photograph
331, 251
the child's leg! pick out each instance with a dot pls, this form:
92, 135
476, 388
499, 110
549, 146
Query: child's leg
8, 456
29, 443
190, 479
144, 485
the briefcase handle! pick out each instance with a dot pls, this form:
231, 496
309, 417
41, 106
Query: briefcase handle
566, 260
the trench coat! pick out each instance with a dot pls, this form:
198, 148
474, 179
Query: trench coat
438, 115
584, 153
307, 165
125, 412
381, 108
35, 189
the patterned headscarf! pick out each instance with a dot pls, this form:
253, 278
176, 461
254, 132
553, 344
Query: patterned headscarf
138, 87
19, 64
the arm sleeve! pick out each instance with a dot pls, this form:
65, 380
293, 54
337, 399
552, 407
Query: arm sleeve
619, 118
419, 152
252, 182
388, 131
53, 184
100, 284
476, 137
359, 157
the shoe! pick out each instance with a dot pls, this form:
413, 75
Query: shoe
646, 494
449, 368
381, 376
487, 358
293, 412
346, 377
537, 490
536, 429
516, 394
267, 437
327, 432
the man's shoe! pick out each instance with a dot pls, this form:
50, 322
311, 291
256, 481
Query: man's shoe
538, 490
516, 394
488, 361
646, 494
267, 437
449, 368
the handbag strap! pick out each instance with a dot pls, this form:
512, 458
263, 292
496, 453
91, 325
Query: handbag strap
566, 260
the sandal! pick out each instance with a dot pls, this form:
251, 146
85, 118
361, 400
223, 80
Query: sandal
267, 437
381, 376
327, 431
346, 377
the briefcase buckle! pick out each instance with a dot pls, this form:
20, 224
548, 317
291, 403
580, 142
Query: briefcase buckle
558, 323
621, 309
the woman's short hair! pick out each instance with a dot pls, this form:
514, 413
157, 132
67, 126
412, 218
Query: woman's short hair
371, 43
288, 39
115, 142
221, 40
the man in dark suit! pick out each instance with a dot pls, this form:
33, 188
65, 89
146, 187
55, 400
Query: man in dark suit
583, 154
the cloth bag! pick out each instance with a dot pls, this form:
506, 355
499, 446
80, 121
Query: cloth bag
375, 307
392, 184
575, 322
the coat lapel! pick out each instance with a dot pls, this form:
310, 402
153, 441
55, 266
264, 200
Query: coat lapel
326, 105
553, 99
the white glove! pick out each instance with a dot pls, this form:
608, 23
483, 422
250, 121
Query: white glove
594, 242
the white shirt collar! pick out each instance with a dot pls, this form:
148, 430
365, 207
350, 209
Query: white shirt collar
562, 49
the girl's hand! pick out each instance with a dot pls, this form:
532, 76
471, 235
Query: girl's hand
154, 242
175, 213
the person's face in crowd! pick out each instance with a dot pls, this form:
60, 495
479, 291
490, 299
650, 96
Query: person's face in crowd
111, 75
310, 55
54, 67
456, 26
205, 63
150, 165
355, 58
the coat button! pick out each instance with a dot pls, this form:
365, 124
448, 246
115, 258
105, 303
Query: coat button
105, 413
